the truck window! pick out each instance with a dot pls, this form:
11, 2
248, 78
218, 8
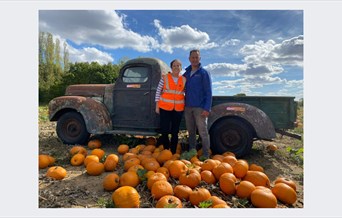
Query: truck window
135, 75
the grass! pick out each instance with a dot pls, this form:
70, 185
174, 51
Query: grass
43, 113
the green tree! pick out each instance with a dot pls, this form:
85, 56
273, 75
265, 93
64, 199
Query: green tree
65, 57
50, 66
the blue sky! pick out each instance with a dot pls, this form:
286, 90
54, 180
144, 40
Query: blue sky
256, 52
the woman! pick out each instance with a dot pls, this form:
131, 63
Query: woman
170, 104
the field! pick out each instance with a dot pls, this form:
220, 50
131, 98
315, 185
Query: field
80, 190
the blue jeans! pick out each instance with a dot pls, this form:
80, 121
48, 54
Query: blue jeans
194, 120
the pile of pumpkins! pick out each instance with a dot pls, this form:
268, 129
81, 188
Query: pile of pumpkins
156, 165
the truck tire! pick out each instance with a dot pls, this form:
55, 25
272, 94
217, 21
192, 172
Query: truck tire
71, 128
231, 135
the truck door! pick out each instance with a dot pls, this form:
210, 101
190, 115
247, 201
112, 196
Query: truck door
132, 98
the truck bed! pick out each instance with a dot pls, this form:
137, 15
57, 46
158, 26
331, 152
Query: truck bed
282, 110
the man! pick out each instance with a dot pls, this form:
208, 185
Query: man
198, 99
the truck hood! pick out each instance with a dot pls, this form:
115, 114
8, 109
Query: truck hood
87, 90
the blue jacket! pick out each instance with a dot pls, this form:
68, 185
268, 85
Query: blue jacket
198, 88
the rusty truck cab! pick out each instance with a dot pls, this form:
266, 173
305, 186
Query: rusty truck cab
134, 96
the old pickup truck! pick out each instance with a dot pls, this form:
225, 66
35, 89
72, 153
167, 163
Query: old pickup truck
127, 107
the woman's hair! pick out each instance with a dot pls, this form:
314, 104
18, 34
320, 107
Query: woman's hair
174, 61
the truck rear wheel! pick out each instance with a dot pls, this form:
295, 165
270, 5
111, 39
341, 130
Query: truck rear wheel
71, 128
231, 135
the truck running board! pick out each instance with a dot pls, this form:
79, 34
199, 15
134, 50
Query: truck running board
293, 135
132, 132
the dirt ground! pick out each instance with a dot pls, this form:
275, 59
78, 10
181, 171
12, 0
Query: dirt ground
79, 190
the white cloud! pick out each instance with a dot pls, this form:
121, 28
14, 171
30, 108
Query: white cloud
231, 42
95, 27
89, 54
225, 69
262, 61
288, 52
184, 37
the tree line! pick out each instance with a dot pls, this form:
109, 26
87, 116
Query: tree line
56, 71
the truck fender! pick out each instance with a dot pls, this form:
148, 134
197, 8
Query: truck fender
258, 119
95, 113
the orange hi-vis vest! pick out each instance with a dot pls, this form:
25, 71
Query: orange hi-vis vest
172, 97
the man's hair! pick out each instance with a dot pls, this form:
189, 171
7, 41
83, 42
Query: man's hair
194, 50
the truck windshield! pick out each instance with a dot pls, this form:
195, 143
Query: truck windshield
135, 75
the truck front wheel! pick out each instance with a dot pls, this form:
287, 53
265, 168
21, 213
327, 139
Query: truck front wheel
71, 128
231, 135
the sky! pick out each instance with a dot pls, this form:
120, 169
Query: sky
255, 52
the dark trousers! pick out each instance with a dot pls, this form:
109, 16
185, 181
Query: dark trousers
169, 124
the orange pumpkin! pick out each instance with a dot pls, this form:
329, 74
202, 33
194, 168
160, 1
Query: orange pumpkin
98, 152
222, 168
123, 149
255, 167
263, 198
111, 182
182, 192
78, 150
160, 189
175, 157
130, 178
198, 195
186, 162
56, 172
95, 168
272, 147
149, 148
44, 161
218, 157
179, 148
135, 168
257, 178
152, 165
154, 178
216, 201
52, 160
209, 164
110, 164
126, 197
245, 189
131, 162
169, 201
229, 159
228, 153
164, 171
208, 177
134, 150
128, 155
284, 193
151, 141
113, 157
90, 158
167, 164
149, 173
221, 206
240, 168
177, 168
77, 159
164, 156
191, 179
287, 181
95, 143
227, 183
